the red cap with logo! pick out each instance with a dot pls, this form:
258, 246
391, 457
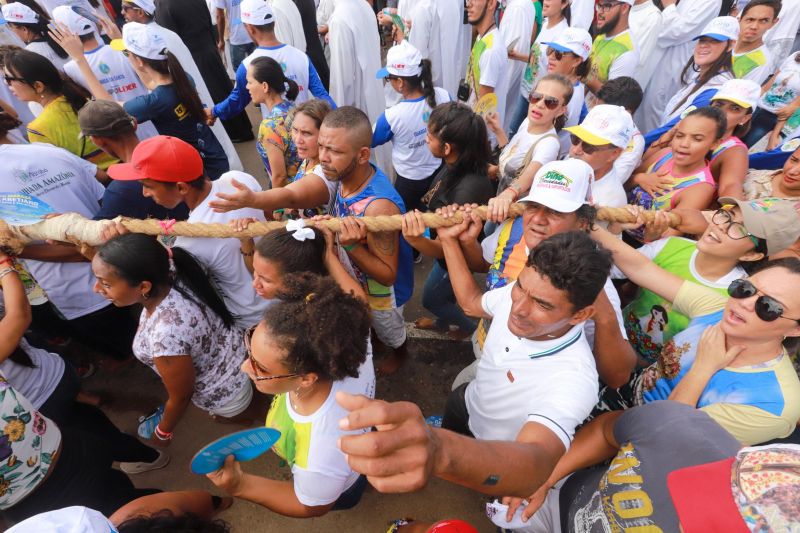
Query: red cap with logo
160, 158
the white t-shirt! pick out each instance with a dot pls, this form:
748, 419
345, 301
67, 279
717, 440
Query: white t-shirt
407, 129
492, 68
295, 67
236, 33
631, 157
513, 154
671, 111
788, 22
582, 12
222, 257
553, 382
116, 74
36, 383
44, 49
179, 326
545, 36
608, 191
574, 108
309, 443
760, 73
66, 183
784, 87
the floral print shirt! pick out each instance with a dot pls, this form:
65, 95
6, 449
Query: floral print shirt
180, 326
276, 129
28, 442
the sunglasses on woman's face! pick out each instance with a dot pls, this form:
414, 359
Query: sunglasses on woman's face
768, 308
557, 54
550, 102
248, 339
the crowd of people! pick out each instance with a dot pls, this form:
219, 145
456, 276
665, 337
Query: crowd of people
636, 338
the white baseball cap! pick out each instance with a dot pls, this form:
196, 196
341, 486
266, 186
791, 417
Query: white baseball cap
575, 40
721, 29
74, 519
148, 6
563, 186
142, 40
605, 124
256, 12
19, 13
75, 23
745, 93
402, 60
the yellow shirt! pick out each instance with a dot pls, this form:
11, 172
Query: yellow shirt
58, 125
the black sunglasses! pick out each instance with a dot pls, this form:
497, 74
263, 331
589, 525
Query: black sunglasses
587, 148
9, 79
550, 102
558, 54
768, 308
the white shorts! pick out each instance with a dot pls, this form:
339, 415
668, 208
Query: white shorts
390, 326
237, 405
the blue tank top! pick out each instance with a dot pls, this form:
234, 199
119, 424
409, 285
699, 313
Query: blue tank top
380, 296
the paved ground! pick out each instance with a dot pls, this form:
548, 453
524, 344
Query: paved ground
425, 381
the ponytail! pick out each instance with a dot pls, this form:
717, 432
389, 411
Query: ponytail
426, 79
267, 70
137, 257
567, 13
75, 94
187, 94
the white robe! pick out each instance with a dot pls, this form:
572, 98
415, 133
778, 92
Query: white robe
645, 22
355, 59
679, 25
517, 24
582, 14
177, 47
437, 33
288, 24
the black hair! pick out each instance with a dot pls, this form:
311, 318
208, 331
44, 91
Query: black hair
166, 521
323, 329
584, 68
267, 70
724, 63
290, 255
792, 264
776, 6
573, 263
587, 215
40, 27
713, 113
187, 94
726, 7
264, 27
569, 91
7, 123
456, 124
352, 119
33, 67
623, 91
137, 258
423, 82
660, 309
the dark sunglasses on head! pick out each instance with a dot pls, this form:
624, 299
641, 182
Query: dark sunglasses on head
767, 308
550, 102
587, 148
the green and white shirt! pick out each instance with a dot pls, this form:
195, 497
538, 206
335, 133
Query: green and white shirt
755, 65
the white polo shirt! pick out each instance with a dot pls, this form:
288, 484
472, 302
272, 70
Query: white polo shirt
552, 382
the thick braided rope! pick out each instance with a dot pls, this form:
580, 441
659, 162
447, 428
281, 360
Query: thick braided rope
72, 227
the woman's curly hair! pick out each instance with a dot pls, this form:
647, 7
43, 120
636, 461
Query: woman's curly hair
323, 329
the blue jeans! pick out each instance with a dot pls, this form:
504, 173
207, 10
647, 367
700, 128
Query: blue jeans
239, 52
518, 116
762, 123
439, 299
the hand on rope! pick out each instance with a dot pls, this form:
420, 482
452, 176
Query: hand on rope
72, 227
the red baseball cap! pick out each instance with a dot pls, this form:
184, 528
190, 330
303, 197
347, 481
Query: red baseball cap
452, 526
160, 158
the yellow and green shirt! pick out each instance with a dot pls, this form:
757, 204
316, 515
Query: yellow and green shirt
606, 50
